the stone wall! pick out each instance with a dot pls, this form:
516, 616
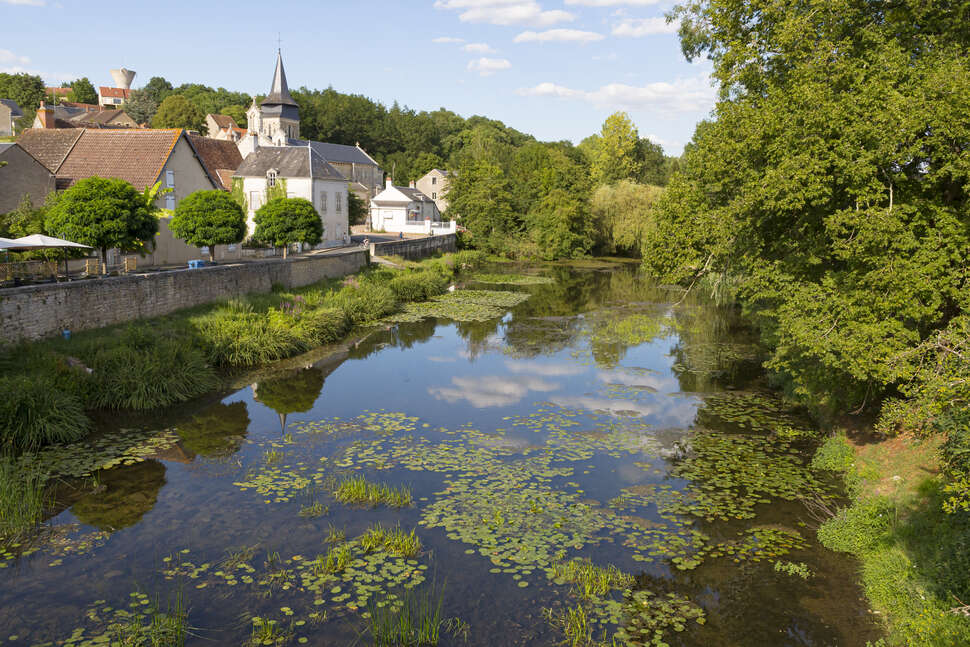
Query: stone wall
416, 248
33, 312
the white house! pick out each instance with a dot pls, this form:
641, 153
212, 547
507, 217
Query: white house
407, 210
295, 172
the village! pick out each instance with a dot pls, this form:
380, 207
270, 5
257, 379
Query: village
70, 141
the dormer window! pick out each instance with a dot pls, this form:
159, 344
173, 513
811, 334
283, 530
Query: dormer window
271, 177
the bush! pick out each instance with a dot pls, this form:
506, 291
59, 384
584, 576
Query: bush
35, 413
234, 335
468, 259
364, 304
857, 528
418, 286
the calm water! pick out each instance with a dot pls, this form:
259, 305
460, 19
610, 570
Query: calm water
599, 419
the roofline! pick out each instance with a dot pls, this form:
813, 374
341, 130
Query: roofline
195, 151
27, 153
368, 156
171, 150
69, 150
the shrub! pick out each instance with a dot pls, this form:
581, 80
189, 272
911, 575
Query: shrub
857, 528
417, 286
366, 303
321, 326
35, 413
233, 335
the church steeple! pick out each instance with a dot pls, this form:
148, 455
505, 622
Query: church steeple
279, 91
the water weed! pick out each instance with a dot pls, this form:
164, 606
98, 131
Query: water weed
588, 579
357, 490
22, 499
392, 540
791, 568
414, 620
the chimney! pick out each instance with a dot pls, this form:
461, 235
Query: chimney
390, 182
412, 184
45, 114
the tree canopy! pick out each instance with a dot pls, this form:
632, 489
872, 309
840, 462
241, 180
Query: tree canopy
141, 106
104, 214
207, 219
178, 112
283, 221
27, 90
617, 154
82, 91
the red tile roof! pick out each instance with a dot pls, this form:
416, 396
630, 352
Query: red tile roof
114, 93
58, 92
223, 121
216, 155
136, 156
49, 146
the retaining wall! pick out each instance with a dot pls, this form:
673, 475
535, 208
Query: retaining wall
416, 248
36, 311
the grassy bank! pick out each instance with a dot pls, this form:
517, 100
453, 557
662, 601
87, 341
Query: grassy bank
914, 557
51, 386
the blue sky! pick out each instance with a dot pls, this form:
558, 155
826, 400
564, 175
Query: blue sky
552, 68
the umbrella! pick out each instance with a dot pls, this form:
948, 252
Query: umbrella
40, 241
6, 243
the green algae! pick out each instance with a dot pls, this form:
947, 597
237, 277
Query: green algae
511, 279
461, 305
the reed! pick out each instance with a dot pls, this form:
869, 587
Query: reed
22, 500
357, 490
391, 540
35, 413
416, 621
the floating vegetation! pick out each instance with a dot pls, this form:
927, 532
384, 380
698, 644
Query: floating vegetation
799, 569
142, 624
649, 617
461, 305
589, 580
357, 490
268, 632
576, 624
757, 412
511, 279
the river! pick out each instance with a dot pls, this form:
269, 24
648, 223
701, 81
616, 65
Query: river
604, 418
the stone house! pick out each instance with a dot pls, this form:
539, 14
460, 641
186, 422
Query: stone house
406, 210
10, 112
22, 175
223, 127
81, 116
435, 184
295, 172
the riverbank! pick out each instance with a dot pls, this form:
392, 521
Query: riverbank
914, 557
163, 361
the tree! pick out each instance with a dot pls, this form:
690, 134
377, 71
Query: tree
27, 90
238, 114
82, 91
207, 219
560, 225
178, 112
622, 213
283, 221
104, 214
479, 198
157, 89
140, 106
356, 208
653, 163
617, 153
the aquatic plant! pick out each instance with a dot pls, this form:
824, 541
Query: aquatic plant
22, 499
791, 568
511, 279
414, 620
392, 540
34, 413
575, 624
649, 617
462, 305
364, 304
268, 632
417, 286
357, 490
588, 579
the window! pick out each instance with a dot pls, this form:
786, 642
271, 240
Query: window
434, 196
255, 200
434, 180
271, 178
170, 179
170, 201
337, 205
323, 202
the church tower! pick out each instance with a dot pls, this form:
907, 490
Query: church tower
279, 114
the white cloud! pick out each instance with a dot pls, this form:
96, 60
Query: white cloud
611, 3
640, 27
488, 66
9, 58
681, 96
505, 12
479, 48
558, 35
26, 3
667, 144
447, 40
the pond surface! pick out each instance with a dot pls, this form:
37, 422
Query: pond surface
600, 419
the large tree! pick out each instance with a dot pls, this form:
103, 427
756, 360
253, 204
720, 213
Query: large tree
157, 89
104, 213
207, 219
480, 200
82, 91
178, 112
356, 209
141, 106
27, 90
617, 153
283, 221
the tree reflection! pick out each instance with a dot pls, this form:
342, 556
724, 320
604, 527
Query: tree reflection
216, 432
123, 496
295, 393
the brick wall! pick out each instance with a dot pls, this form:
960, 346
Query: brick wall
416, 248
33, 312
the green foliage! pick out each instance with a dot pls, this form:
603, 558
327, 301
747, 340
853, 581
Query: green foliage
480, 199
238, 195
416, 622
209, 218
283, 221
27, 90
560, 226
34, 413
237, 112
356, 490
22, 499
178, 112
796, 570
294, 393
82, 91
140, 106
278, 190
390, 540
617, 153
157, 89
364, 303
104, 214
356, 208
623, 212
417, 286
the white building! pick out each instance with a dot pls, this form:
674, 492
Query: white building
296, 172
405, 209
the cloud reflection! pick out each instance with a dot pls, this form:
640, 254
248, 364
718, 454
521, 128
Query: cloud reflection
492, 391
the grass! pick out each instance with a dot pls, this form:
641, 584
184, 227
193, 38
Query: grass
336, 560
914, 557
416, 621
168, 360
391, 540
576, 624
167, 628
22, 500
268, 632
589, 580
356, 490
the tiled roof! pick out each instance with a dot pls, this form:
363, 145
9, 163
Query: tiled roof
287, 161
216, 156
15, 110
57, 92
114, 93
136, 156
223, 121
103, 118
49, 146
90, 107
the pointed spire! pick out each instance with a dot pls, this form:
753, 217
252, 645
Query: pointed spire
279, 92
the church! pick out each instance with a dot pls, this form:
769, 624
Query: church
275, 122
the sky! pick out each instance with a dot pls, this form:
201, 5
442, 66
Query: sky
551, 68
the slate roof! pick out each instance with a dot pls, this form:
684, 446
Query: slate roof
136, 156
337, 152
287, 161
101, 119
217, 156
49, 146
5, 146
279, 91
15, 110
414, 194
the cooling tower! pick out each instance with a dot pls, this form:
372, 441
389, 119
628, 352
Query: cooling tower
123, 78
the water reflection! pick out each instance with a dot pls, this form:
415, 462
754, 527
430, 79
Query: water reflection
216, 432
492, 390
295, 393
123, 496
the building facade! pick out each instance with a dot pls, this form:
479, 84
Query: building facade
399, 209
435, 185
20, 176
10, 112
